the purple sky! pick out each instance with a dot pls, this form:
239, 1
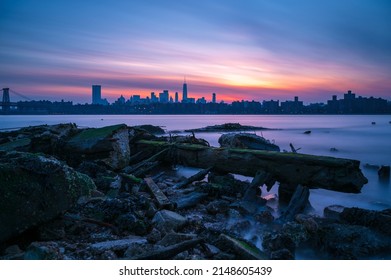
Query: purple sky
253, 50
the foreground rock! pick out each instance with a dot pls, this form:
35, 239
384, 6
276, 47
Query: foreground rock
346, 242
156, 130
165, 216
166, 221
247, 141
35, 189
109, 144
47, 139
377, 220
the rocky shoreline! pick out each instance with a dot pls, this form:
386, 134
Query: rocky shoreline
228, 127
113, 193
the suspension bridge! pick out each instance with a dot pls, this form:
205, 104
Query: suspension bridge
6, 104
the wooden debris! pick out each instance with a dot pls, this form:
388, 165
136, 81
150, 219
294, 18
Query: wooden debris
146, 162
196, 177
241, 248
162, 201
90, 221
297, 203
331, 173
170, 251
293, 149
137, 157
146, 168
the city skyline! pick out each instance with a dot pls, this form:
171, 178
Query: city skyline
170, 97
257, 50
166, 104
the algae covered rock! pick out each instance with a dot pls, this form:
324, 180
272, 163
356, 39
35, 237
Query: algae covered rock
227, 127
247, 141
151, 129
109, 144
34, 189
48, 139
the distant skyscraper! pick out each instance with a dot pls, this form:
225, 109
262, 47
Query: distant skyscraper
191, 100
154, 98
176, 97
96, 94
201, 100
349, 95
184, 92
121, 99
164, 96
136, 99
213, 97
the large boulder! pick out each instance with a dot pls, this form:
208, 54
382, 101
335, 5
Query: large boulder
246, 141
156, 130
109, 144
34, 189
227, 127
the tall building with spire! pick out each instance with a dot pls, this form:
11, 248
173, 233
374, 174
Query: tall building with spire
184, 92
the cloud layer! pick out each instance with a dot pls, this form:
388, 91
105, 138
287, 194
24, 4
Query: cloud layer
251, 50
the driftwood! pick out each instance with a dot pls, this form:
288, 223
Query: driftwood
253, 190
162, 201
297, 203
243, 249
190, 200
170, 251
90, 221
312, 171
147, 167
139, 156
196, 177
293, 149
263, 178
146, 162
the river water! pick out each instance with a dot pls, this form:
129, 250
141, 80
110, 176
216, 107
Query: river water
364, 138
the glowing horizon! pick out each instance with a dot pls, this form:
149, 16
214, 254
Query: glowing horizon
259, 50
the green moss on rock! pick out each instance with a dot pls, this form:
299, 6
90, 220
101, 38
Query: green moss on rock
97, 133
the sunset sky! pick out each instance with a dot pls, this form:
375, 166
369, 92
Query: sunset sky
252, 50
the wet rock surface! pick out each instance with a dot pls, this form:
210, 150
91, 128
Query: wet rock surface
342, 241
247, 141
88, 203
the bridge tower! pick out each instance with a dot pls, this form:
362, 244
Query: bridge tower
6, 99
